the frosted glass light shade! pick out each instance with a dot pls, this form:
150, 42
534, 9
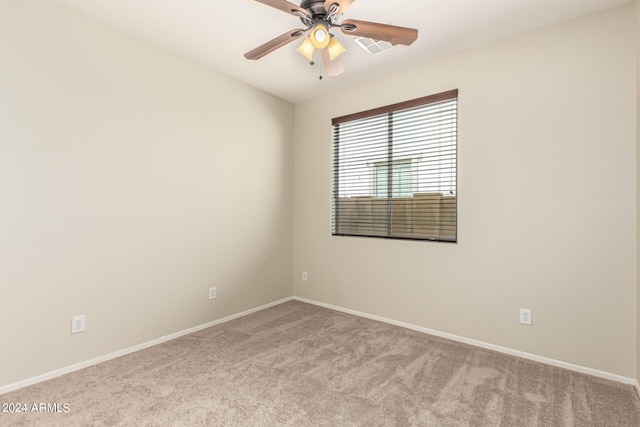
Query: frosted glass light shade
319, 36
335, 48
306, 49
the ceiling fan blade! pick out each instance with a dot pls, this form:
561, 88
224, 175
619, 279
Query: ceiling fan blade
274, 44
332, 68
285, 6
384, 32
343, 5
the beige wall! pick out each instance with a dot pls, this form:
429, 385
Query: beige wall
546, 199
131, 181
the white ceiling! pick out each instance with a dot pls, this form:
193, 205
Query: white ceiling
217, 33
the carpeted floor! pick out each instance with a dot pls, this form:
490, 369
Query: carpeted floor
297, 364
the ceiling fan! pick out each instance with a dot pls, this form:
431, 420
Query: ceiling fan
319, 16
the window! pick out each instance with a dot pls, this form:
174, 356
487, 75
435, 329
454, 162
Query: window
394, 170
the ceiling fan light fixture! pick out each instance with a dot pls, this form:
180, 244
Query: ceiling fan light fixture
306, 49
335, 48
320, 36
319, 17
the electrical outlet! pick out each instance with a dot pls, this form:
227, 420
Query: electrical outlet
212, 293
78, 323
525, 316
304, 276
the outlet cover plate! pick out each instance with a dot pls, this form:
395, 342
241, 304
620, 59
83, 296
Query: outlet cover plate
78, 323
212, 293
525, 316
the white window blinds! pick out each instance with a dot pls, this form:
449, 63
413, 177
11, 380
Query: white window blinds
394, 170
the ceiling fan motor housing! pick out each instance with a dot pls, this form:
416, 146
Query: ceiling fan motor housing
315, 7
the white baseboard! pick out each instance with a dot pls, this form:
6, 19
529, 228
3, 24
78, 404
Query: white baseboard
482, 344
100, 359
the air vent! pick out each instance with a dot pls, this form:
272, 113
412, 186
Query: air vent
374, 47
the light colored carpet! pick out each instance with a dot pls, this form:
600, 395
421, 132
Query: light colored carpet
297, 364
